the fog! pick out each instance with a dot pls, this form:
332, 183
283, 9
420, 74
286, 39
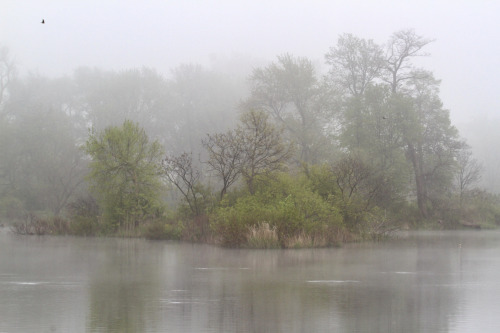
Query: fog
116, 35
163, 34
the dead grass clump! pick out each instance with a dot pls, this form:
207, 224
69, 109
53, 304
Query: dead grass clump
262, 236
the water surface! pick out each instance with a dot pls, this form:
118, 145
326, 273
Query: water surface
422, 282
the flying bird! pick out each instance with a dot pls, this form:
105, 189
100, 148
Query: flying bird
43, 21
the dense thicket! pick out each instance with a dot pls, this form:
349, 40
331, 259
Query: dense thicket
299, 158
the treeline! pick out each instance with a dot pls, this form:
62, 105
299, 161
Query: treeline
286, 157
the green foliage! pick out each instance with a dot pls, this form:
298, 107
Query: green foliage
161, 229
323, 181
286, 204
11, 208
125, 175
480, 207
84, 214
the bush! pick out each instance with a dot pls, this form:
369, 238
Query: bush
286, 205
12, 208
84, 216
35, 225
159, 229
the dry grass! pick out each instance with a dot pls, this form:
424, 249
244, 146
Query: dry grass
262, 236
303, 240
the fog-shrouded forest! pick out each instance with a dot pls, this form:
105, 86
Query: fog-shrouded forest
279, 153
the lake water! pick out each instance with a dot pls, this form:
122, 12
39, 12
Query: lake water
421, 282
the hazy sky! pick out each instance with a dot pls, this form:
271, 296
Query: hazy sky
163, 34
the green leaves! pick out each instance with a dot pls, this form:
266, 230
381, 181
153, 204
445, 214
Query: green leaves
125, 174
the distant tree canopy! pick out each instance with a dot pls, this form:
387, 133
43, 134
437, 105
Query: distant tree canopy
364, 143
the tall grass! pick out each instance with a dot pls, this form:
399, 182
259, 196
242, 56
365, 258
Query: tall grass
262, 236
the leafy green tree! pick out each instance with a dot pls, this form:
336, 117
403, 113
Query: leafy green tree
392, 116
125, 174
430, 141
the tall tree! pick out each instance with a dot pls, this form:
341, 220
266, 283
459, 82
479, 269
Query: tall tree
430, 141
401, 48
7, 74
468, 172
200, 101
390, 109
41, 164
107, 98
291, 93
355, 63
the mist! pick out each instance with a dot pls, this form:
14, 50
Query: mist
163, 34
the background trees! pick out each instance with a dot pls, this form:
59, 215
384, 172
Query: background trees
367, 143
41, 165
392, 109
291, 93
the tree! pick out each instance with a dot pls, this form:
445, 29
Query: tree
291, 93
125, 174
107, 98
224, 157
41, 164
391, 109
430, 141
7, 75
401, 48
264, 151
179, 170
468, 172
200, 101
355, 63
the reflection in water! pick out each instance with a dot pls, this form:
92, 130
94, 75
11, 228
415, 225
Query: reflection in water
425, 282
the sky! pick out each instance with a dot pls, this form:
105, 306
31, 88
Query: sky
127, 34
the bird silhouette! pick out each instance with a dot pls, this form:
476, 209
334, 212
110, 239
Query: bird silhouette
43, 21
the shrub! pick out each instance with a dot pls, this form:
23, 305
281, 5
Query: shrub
286, 204
159, 229
84, 216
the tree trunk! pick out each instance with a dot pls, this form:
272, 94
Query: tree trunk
419, 181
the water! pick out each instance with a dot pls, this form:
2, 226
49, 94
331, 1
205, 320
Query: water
426, 282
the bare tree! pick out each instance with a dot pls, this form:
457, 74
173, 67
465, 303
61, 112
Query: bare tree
225, 157
263, 148
468, 172
179, 171
402, 46
355, 63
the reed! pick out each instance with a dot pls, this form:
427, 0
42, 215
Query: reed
262, 236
